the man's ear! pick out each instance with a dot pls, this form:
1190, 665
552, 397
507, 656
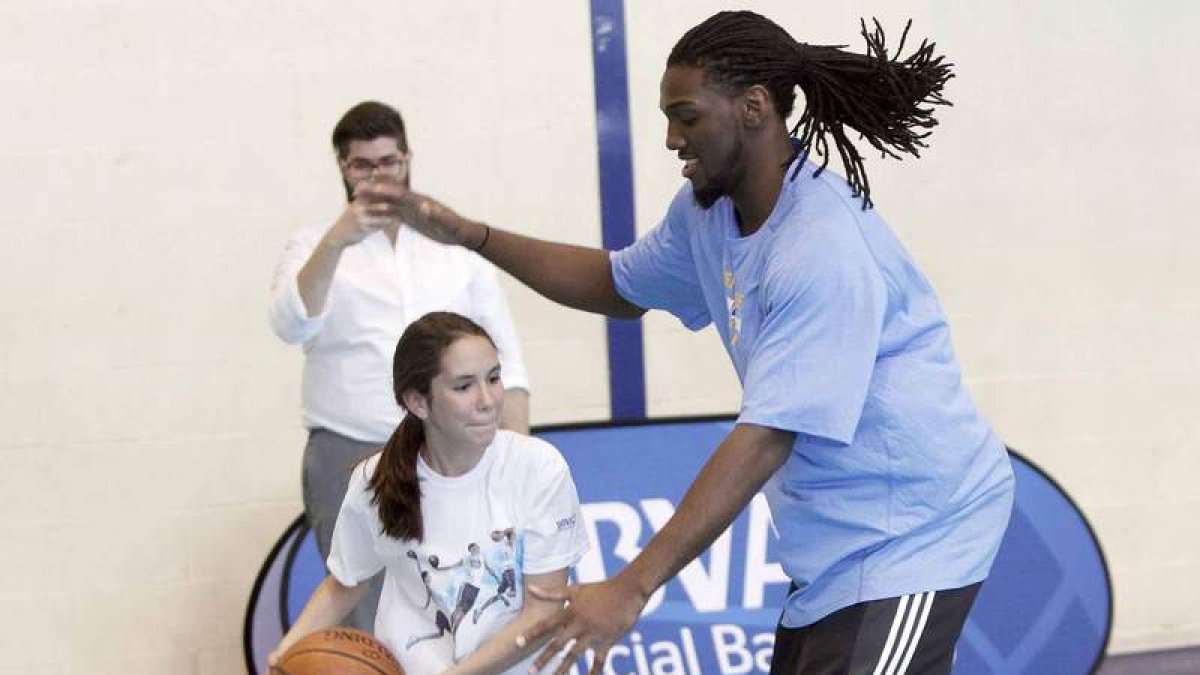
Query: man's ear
756, 105
415, 404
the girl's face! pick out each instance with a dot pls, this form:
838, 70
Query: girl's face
465, 398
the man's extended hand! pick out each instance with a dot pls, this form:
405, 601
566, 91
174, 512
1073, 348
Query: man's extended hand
360, 220
424, 214
595, 616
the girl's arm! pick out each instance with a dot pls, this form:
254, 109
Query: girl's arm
329, 604
501, 652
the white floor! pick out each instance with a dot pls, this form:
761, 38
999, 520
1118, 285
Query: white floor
1171, 662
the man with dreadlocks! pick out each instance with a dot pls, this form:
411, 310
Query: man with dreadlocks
889, 491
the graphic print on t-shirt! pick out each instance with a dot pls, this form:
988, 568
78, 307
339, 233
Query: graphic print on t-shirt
501, 567
734, 301
484, 575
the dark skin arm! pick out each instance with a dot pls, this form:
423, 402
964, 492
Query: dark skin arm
598, 614
574, 276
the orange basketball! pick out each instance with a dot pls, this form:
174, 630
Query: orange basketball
338, 651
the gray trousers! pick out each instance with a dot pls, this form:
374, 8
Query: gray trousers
328, 459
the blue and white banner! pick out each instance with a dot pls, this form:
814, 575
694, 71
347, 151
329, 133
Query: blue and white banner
1045, 608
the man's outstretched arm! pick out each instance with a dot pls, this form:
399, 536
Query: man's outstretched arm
574, 276
598, 614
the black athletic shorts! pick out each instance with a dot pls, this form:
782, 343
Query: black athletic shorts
909, 635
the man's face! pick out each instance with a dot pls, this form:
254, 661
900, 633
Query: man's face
704, 128
380, 156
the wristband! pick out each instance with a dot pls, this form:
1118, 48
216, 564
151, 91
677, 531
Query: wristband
487, 232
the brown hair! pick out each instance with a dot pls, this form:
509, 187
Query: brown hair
366, 122
417, 360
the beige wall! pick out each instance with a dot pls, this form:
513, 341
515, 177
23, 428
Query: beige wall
156, 154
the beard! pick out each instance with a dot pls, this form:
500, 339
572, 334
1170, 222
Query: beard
708, 195
350, 187
718, 186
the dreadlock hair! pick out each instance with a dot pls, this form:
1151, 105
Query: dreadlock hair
418, 359
887, 100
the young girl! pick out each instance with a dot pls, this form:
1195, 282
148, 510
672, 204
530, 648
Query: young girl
448, 500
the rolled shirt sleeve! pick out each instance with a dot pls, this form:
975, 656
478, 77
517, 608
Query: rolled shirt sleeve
286, 312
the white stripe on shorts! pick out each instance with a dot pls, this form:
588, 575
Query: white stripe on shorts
905, 633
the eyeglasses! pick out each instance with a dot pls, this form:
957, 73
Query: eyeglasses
387, 163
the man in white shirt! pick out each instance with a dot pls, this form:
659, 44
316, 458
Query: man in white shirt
346, 292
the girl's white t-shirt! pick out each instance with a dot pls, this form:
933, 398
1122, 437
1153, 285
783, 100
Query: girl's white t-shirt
515, 513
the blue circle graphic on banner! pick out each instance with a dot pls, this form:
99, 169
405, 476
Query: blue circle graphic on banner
1046, 607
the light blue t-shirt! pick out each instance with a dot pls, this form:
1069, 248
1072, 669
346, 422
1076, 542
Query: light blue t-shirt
896, 483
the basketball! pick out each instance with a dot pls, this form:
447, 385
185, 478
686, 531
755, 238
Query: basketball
338, 651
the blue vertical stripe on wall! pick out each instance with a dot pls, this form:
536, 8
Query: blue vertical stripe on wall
626, 368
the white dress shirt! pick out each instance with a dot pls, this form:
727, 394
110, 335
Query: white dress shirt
376, 292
